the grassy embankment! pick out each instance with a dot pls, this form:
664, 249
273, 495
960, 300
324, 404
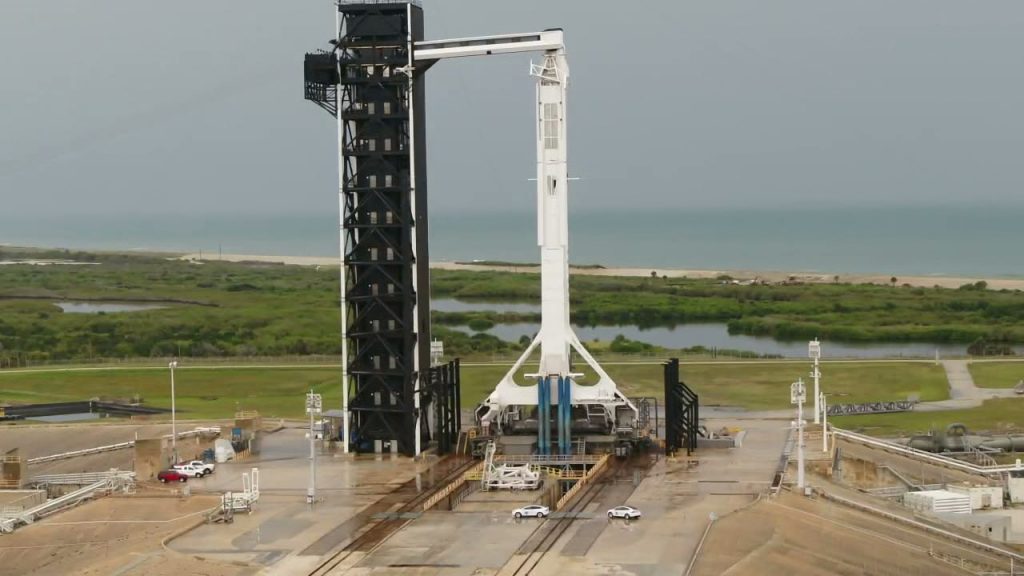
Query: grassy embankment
997, 374
221, 309
278, 392
1004, 415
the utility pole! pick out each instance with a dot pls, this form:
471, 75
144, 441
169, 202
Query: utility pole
174, 427
814, 351
797, 395
824, 423
314, 405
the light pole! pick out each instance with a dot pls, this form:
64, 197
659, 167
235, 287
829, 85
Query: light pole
814, 352
824, 423
797, 395
174, 426
314, 405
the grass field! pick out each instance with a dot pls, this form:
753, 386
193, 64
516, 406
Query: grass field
997, 374
765, 386
996, 416
199, 393
278, 392
755, 386
208, 393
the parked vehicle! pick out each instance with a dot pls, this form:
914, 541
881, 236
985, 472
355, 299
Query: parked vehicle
209, 467
172, 475
190, 470
627, 512
534, 510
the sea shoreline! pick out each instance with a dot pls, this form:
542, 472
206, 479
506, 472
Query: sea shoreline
771, 276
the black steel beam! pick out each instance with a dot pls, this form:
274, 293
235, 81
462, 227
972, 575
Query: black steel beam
444, 396
682, 412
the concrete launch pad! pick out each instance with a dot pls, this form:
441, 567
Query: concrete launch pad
369, 520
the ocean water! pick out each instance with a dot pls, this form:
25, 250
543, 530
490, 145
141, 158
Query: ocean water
964, 241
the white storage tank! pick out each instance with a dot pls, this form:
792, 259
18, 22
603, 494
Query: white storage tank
938, 501
982, 497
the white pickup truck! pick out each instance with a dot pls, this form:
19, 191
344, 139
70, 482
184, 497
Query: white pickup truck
195, 468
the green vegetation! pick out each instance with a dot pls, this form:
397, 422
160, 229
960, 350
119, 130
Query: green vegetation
200, 393
997, 374
756, 385
210, 392
215, 309
996, 345
458, 343
1004, 415
842, 312
221, 309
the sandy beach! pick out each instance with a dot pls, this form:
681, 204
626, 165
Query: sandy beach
769, 276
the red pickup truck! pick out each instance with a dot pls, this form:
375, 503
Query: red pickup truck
172, 476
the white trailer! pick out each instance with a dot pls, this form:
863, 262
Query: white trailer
938, 501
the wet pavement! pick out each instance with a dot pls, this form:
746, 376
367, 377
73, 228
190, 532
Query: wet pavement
284, 534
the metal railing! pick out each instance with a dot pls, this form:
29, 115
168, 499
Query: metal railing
119, 446
83, 452
112, 481
870, 408
780, 470
474, 473
79, 479
377, 2
554, 458
590, 475
896, 491
925, 456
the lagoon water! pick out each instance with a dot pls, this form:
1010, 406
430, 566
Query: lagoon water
716, 335
709, 335
976, 241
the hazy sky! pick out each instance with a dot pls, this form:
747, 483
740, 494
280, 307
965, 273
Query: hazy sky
134, 107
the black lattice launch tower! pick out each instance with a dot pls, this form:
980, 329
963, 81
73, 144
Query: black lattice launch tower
368, 82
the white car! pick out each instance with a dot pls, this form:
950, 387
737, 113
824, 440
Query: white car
534, 510
208, 466
627, 512
190, 470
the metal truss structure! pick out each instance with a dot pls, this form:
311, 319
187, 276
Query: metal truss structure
445, 395
507, 476
682, 416
870, 408
368, 82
